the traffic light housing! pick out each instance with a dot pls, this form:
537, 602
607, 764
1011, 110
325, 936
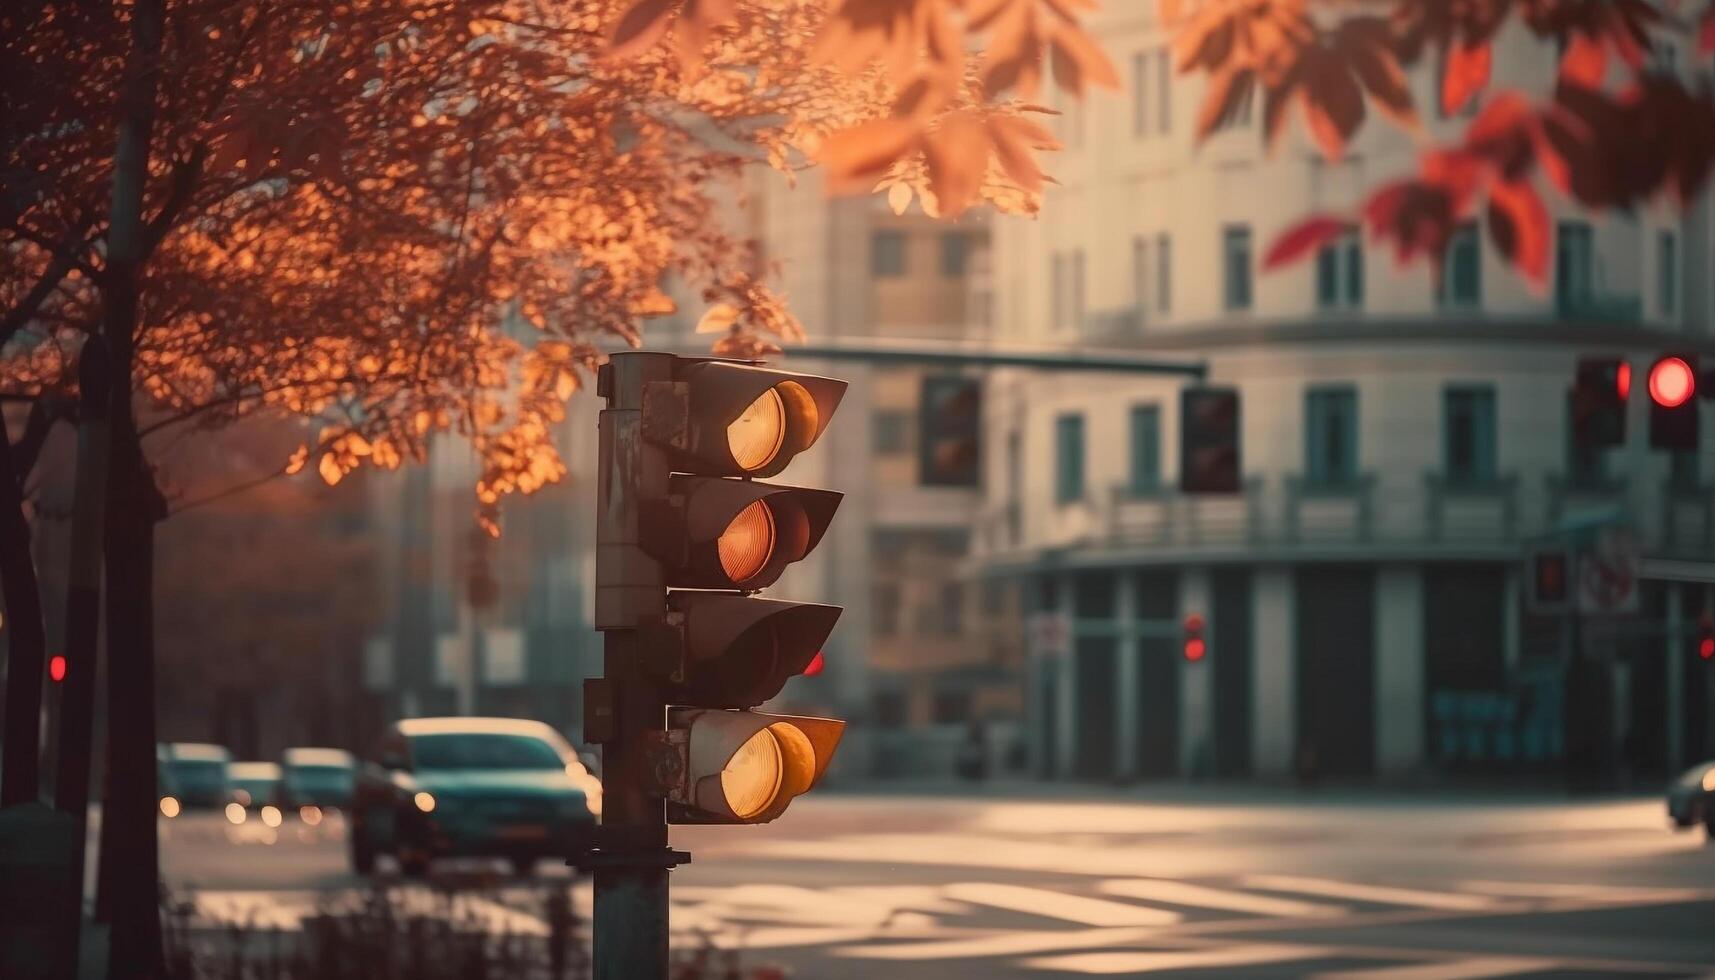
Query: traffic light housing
1195, 646
1673, 402
1599, 395
1549, 580
1209, 459
686, 534
1706, 636
950, 433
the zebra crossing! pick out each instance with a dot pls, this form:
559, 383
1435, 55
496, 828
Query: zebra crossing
1117, 926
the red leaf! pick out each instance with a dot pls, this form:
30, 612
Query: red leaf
855, 158
1519, 225
639, 28
1585, 62
1465, 74
1333, 105
1303, 239
957, 156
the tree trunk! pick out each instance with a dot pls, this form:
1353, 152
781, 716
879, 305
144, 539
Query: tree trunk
26, 642
133, 506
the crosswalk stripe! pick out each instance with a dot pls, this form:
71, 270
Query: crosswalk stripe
1591, 893
1199, 896
1475, 968
1059, 905
1008, 943
1381, 894
1132, 963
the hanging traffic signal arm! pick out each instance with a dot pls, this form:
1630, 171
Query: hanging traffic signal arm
741, 767
714, 533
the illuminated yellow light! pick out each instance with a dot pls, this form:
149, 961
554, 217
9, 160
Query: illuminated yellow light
747, 543
425, 802
169, 807
271, 815
755, 437
311, 815
1709, 780
235, 813
751, 779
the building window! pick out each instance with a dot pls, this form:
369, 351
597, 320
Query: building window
1068, 458
1140, 272
950, 707
1076, 288
995, 597
1667, 272
1462, 270
1145, 449
1142, 67
887, 254
1574, 271
885, 616
1163, 91
1331, 436
953, 251
892, 428
1468, 427
1340, 273
1056, 290
1236, 266
889, 709
1163, 272
952, 609
1238, 115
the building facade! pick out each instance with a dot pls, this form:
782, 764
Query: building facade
1405, 442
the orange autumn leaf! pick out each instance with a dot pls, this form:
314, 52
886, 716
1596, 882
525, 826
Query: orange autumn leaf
1465, 73
1302, 240
1519, 225
1585, 62
639, 28
856, 158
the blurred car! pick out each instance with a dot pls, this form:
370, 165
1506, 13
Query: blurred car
198, 773
256, 789
1691, 798
469, 787
318, 780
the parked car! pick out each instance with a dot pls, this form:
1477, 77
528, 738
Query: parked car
166, 787
1691, 799
318, 780
198, 772
469, 787
256, 790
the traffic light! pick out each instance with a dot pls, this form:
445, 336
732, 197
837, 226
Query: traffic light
1196, 648
1673, 402
1209, 440
1550, 579
1706, 636
685, 536
1599, 395
950, 432
57, 668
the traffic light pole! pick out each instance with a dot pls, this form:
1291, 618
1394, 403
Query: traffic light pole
625, 710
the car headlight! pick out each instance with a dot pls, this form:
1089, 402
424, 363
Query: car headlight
425, 802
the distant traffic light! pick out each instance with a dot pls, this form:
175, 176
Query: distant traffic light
1706, 636
1195, 646
1599, 396
1550, 581
950, 432
1209, 458
1673, 402
57, 668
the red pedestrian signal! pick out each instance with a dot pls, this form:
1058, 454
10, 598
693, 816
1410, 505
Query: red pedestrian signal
1673, 402
1195, 646
1706, 637
57, 668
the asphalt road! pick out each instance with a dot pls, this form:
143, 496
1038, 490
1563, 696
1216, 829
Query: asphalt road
1172, 884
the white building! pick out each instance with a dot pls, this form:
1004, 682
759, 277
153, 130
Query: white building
1402, 446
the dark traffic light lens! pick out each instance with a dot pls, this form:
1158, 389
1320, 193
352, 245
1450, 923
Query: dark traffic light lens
747, 543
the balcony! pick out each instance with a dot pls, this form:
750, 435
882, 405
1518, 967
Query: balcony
1113, 326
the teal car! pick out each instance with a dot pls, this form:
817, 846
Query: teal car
469, 787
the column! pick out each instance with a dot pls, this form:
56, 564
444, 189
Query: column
1196, 680
1675, 659
1399, 669
1273, 677
1126, 676
1065, 687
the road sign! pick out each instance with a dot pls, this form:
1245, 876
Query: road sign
1608, 573
1050, 634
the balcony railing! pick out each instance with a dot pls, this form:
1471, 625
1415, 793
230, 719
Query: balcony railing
1120, 324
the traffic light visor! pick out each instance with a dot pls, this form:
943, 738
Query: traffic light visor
741, 650
745, 767
750, 421
741, 534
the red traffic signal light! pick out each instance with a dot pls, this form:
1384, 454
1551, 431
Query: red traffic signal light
1673, 402
1672, 382
57, 668
1195, 646
1706, 637
1550, 580
1599, 396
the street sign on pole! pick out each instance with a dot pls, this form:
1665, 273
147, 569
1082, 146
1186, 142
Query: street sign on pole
1608, 572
